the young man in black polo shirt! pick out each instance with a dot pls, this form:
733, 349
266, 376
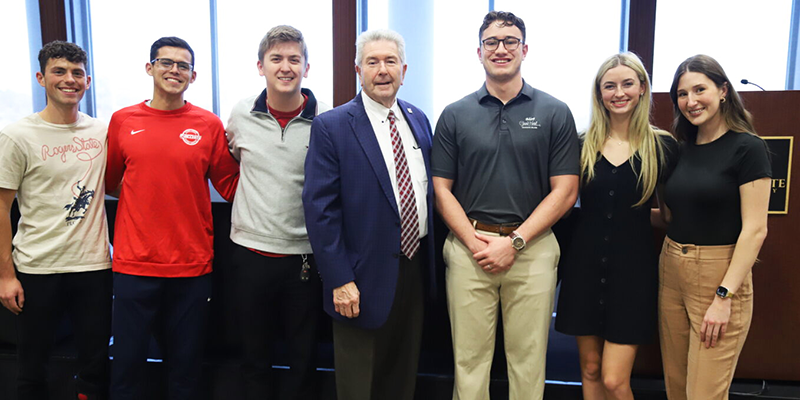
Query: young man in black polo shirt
505, 169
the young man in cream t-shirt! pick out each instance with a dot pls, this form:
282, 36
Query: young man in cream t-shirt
54, 163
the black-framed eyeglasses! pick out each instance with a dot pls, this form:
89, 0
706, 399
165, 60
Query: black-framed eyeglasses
511, 43
166, 64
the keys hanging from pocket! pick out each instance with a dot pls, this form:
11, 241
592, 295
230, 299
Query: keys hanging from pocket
305, 271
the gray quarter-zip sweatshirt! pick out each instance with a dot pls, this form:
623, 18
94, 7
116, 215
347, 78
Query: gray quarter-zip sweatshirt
268, 210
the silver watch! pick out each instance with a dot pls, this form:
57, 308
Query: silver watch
517, 241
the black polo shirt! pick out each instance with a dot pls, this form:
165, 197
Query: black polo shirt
501, 156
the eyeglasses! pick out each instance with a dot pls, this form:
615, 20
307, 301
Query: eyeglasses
510, 43
166, 64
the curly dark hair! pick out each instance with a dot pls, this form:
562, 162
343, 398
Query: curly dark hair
508, 19
59, 49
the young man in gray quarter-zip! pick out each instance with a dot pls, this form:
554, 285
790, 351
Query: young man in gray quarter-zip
276, 278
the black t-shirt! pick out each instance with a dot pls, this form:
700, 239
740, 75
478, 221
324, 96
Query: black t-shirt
703, 191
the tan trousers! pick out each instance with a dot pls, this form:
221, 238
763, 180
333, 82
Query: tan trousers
525, 292
689, 276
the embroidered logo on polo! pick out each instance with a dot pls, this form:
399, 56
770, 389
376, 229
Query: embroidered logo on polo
530, 123
190, 137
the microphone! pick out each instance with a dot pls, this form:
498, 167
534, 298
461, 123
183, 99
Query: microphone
746, 82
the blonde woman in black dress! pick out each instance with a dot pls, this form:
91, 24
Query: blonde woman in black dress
609, 288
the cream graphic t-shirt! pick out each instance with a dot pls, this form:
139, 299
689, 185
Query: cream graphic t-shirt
58, 172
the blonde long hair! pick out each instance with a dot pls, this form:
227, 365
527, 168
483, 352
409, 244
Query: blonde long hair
643, 137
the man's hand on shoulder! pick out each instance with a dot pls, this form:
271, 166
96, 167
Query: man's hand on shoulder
346, 300
11, 294
498, 256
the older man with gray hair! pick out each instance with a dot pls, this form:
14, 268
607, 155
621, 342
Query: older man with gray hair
368, 204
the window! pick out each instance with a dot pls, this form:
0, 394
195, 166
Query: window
565, 48
457, 70
242, 24
16, 91
441, 47
443, 65
121, 39
750, 40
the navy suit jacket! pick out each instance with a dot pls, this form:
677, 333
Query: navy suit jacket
351, 214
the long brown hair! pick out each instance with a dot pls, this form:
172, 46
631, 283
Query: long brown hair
736, 117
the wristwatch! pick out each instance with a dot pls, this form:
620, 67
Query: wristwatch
724, 293
517, 241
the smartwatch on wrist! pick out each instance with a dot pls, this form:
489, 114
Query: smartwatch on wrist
724, 293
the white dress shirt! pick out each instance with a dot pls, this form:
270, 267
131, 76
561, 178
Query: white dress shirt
379, 118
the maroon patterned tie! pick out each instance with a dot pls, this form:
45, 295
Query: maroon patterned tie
409, 234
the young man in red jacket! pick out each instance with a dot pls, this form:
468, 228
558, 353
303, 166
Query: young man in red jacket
162, 152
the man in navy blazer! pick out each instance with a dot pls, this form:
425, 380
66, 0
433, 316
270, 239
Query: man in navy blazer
368, 200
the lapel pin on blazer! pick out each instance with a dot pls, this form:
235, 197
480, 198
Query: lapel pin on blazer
409, 110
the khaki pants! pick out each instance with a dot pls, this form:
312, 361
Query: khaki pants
689, 276
525, 292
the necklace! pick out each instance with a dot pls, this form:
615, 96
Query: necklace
619, 142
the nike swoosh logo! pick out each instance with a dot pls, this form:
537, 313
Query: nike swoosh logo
133, 132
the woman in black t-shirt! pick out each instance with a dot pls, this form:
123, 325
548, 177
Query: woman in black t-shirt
608, 298
717, 197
